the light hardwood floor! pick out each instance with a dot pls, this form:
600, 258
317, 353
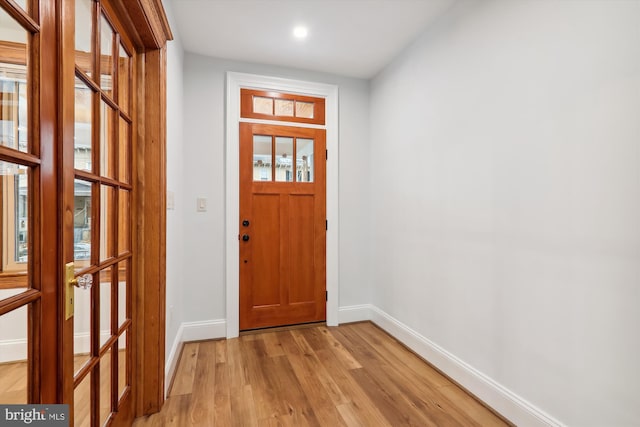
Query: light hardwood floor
351, 375
14, 382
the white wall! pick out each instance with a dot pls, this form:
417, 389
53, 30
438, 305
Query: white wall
175, 188
506, 221
204, 107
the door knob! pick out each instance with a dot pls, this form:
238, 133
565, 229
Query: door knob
245, 223
245, 237
83, 282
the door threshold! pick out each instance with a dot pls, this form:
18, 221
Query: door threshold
282, 328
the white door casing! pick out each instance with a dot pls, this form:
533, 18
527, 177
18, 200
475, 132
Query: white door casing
236, 81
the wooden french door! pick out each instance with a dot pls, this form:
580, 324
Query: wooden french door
282, 225
71, 130
98, 229
29, 215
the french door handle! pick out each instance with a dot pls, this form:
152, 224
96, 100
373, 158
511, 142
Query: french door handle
83, 282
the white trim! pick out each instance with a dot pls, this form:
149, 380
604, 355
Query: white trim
279, 123
191, 331
502, 400
16, 350
172, 360
13, 350
354, 313
235, 81
204, 330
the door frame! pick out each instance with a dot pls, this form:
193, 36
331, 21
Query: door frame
236, 81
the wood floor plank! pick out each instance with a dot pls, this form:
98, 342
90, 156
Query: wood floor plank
345, 358
13, 383
363, 408
183, 383
201, 410
255, 364
221, 351
418, 401
427, 395
294, 404
349, 416
314, 370
395, 353
315, 382
272, 345
352, 375
222, 398
245, 415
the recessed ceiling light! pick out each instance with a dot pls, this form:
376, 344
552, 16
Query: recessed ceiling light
300, 32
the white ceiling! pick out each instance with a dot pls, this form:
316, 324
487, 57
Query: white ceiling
354, 38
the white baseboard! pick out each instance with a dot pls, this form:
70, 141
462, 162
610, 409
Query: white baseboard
354, 313
204, 330
171, 362
504, 401
191, 331
16, 350
13, 350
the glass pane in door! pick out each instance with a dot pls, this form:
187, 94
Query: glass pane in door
123, 287
15, 273
107, 229
106, 55
13, 84
105, 305
124, 212
82, 403
22, 4
83, 158
124, 79
105, 387
304, 160
124, 151
107, 143
262, 170
284, 159
84, 35
82, 223
123, 380
82, 336
14, 354
14, 211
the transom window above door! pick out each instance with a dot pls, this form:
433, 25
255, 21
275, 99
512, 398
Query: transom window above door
257, 104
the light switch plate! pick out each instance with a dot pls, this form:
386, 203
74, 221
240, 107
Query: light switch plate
202, 204
171, 200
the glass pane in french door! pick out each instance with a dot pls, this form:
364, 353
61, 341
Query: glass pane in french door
14, 356
14, 191
13, 83
84, 35
82, 402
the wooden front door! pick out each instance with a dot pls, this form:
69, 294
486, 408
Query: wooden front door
282, 225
